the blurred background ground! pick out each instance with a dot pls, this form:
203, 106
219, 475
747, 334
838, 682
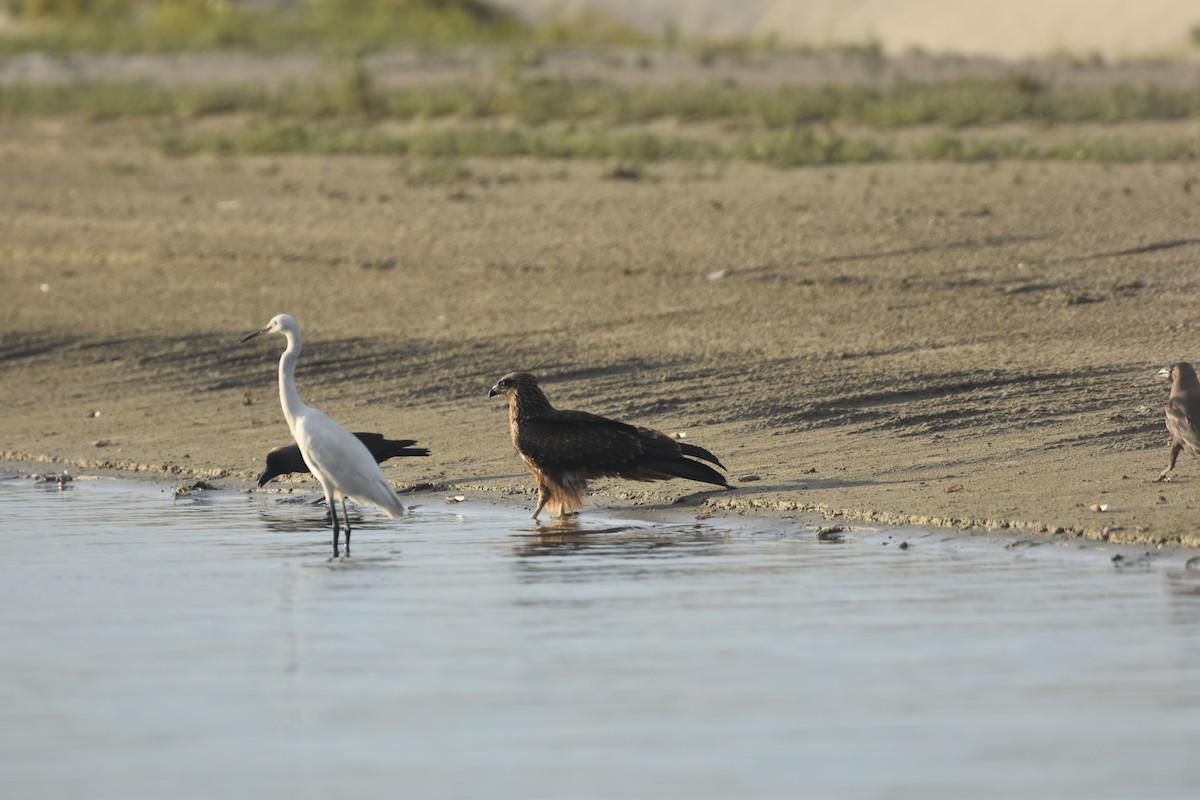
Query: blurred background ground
1015, 30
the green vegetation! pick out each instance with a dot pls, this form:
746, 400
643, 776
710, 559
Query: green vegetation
787, 127
1113, 149
154, 26
950, 147
805, 147
456, 143
348, 111
539, 102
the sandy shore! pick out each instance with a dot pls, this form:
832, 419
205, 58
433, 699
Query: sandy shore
955, 345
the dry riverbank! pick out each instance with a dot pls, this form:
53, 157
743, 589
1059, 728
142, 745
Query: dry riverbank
960, 345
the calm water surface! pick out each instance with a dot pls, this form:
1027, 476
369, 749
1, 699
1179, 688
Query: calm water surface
205, 647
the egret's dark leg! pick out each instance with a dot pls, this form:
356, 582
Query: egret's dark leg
346, 514
333, 515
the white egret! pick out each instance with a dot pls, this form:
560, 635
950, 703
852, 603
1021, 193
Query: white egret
343, 464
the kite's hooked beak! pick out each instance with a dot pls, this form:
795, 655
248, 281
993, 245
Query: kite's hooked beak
495, 390
1165, 372
250, 336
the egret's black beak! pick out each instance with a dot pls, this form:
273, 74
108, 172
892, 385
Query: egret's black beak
250, 336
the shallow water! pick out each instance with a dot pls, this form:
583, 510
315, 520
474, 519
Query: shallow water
206, 647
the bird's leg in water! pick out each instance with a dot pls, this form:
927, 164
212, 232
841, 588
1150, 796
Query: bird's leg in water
346, 516
336, 530
540, 506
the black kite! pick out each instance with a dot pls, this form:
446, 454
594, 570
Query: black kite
564, 449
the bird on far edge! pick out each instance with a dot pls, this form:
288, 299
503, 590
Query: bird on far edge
1183, 413
564, 449
337, 459
286, 459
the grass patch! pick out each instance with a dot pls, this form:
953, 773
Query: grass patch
955, 104
951, 147
353, 91
808, 147
344, 26
446, 149
1118, 149
1105, 149
155, 26
458, 143
438, 171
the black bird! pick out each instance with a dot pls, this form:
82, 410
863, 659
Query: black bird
563, 449
1183, 413
287, 459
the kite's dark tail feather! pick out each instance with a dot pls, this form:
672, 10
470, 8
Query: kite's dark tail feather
692, 470
699, 452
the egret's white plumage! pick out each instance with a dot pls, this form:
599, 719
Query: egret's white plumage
343, 464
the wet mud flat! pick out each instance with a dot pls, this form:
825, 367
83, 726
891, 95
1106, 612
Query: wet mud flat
463, 650
958, 345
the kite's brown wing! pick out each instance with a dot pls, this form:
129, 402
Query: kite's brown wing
566, 441
1183, 422
576, 440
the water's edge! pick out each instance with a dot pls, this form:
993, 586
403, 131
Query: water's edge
726, 507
